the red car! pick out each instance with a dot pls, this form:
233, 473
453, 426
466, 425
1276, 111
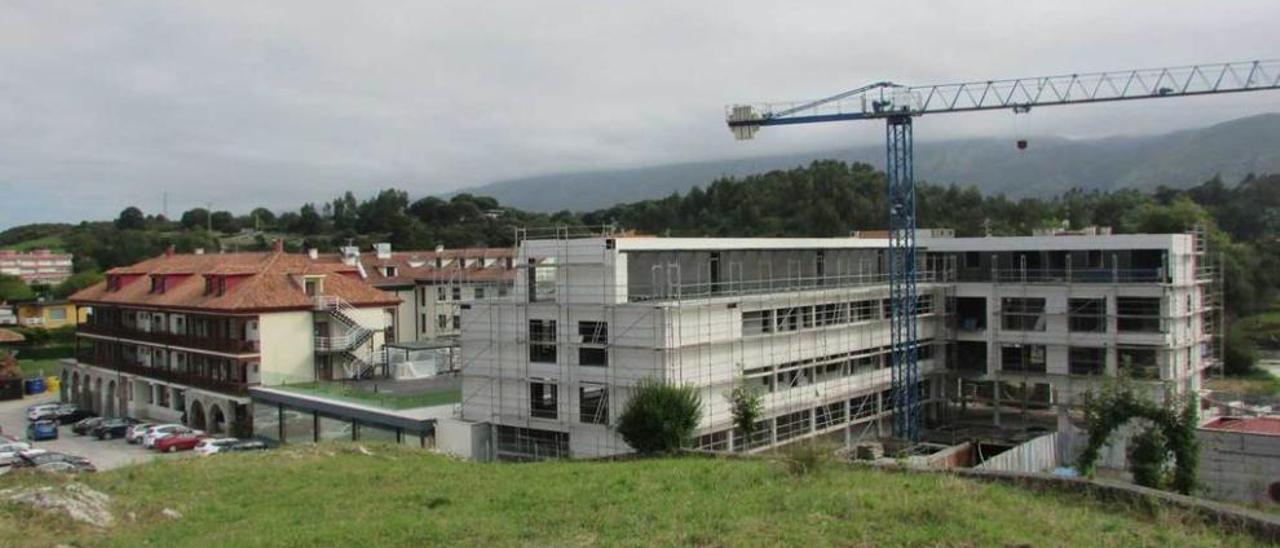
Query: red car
185, 441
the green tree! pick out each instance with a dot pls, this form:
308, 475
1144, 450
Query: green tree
76, 282
660, 417
12, 288
195, 219
131, 219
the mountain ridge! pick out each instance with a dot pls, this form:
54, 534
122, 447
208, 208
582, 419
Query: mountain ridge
1049, 166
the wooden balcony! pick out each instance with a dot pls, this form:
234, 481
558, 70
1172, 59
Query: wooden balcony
226, 346
168, 375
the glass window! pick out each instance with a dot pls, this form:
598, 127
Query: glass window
542, 339
1022, 314
332, 429
373, 433
299, 426
266, 421
1087, 315
593, 404
543, 400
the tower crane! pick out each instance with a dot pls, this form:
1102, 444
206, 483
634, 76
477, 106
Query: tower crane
898, 104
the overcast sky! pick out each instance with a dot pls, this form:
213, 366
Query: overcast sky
110, 104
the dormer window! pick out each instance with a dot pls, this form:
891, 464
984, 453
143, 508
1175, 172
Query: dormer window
157, 284
222, 285
313, 285
389, 271
113, 283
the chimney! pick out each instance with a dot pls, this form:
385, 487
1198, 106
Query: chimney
313, 253
199, 251
169, 251
382, 250
279, 245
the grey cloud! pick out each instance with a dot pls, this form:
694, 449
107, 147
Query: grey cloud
109, 104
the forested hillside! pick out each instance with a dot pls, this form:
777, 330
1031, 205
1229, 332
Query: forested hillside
827, 198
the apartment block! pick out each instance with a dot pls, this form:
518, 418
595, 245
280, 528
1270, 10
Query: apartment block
432, 286
1018, 321
37, 267
183, 337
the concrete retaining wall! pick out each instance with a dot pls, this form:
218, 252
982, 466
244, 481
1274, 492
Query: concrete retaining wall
1239, 466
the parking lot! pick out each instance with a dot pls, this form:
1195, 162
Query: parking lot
104, 455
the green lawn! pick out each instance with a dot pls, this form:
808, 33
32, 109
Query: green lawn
48, 242
31, 368
333, 495
346, 392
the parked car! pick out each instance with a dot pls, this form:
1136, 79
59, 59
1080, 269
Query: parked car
34, 459
66, 467
70, 413
85, 426
9, 451
179, 441
137, 432
37, 412
209, 446
113, 428
251, 445
161, 431
42, 430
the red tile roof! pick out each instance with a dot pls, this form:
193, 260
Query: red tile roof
7, 336
256, 282
1267, 426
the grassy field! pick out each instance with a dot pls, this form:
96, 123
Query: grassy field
48, 242
334, 495
31, 368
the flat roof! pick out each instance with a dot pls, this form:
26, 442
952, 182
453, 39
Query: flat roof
679, 244
1053, 243
430, 344
1264, 426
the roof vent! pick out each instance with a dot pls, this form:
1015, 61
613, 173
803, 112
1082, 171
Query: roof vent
313, 253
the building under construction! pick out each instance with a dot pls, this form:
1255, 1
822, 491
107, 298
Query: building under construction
1007, 326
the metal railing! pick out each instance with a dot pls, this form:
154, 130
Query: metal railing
1065, 275
168, 375
230, 346
731, 288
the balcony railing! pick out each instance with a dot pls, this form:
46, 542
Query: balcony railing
1062, 275
167, 375
229, 346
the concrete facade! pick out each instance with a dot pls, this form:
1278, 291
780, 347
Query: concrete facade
804, 321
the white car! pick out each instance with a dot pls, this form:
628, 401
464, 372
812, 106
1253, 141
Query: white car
36, 411
137, 432
159, 432
209, 446
10, 450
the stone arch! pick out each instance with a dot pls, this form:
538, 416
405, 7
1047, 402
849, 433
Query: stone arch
195, 417
217, 420
109, 400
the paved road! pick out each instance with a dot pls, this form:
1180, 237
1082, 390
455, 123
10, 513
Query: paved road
104, 455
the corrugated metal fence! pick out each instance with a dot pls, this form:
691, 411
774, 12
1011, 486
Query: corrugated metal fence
1038, 455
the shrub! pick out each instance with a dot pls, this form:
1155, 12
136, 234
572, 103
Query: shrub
807, 457
660, 417
745, 404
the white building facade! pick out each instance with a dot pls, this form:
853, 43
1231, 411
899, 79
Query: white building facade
805, 322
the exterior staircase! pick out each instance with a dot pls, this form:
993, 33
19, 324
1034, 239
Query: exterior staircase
352, 343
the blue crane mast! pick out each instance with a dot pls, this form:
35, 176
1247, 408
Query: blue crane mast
898, 104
